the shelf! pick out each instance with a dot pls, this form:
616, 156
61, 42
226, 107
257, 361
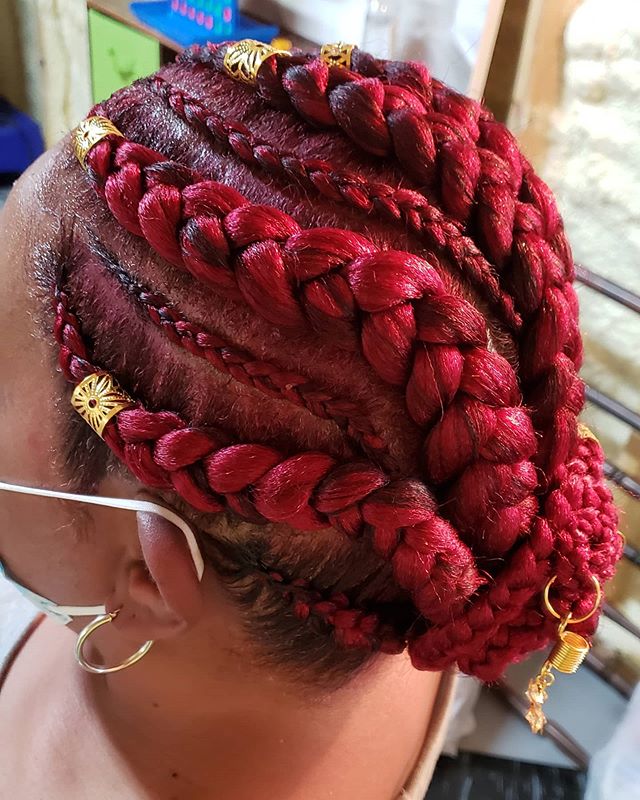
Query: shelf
119, 10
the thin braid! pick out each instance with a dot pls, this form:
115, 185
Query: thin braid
307, 491
253, 481
397, 204
392, 305
352, 627
480, 445
450, 145
483, 485
265, 376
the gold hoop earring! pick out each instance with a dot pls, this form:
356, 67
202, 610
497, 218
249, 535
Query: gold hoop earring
100, 620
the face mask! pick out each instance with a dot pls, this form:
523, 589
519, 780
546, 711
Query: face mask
64, 614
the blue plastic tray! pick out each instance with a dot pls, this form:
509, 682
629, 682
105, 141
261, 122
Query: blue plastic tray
158, 15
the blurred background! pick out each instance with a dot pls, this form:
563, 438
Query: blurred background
565, 76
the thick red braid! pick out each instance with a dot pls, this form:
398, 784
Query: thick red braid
451, 146
307, 491
398, 204
391, 304
506, 493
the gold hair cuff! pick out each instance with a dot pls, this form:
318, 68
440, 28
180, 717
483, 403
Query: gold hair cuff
97, 398
88, 133
243, 59
337, 55
568, 653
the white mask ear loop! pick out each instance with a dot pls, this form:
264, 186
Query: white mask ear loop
126, 503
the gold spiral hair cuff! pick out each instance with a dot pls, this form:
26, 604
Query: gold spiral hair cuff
88, 133
337, 55
98, 398
243, 59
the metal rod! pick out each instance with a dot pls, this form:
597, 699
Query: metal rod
608, 288
621, 479
618, 617
614, 407
604, 672
632, 554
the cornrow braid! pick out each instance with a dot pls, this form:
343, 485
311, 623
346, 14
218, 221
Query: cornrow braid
307, 491
352, 627
505, 494
265, 376
397, 204
394, 305
450, 145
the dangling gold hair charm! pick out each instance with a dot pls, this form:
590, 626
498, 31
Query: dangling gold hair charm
98, 398
567, 655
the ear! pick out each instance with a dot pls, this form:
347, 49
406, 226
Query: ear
164, 590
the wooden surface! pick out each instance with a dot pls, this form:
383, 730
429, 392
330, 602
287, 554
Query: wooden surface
12, 78
498, 92
524, 86
480, 70
540, 91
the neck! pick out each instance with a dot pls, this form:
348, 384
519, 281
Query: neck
190, 724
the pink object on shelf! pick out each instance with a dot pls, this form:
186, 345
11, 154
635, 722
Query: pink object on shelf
200, 17
208, 22
183, 9
227, 14
191, 13
175, 5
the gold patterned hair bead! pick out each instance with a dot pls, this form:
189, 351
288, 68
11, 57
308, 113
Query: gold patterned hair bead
98, 398
337, 55
88, 133
243, 59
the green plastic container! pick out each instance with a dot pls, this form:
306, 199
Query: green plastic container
119, 55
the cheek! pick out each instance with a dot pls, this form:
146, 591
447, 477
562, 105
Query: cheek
72, 562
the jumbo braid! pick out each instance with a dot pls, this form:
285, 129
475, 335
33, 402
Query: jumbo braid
398, 204
393, 305
487, 473
452, 147
352, 626
307, 491
505, 494
535, 264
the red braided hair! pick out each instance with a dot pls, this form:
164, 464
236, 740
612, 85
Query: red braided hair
501, 492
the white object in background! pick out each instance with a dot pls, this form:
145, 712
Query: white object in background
454, 38
614, 772
380, 30
320, 21
462, 719
15, 615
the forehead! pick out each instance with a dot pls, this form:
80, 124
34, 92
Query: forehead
28, 398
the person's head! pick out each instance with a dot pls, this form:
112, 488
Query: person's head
342, 302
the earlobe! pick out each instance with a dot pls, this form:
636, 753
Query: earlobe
171, 585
